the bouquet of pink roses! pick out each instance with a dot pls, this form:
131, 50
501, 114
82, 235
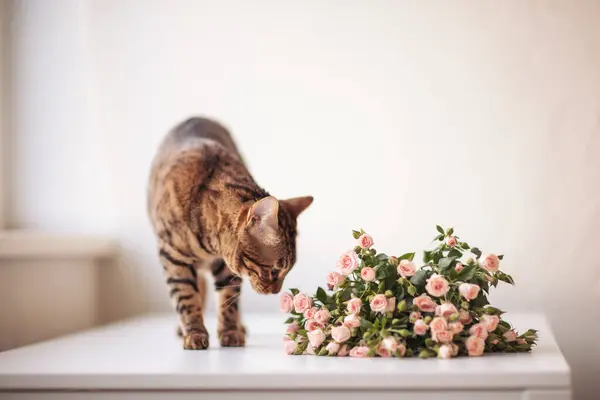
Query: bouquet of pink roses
384, 306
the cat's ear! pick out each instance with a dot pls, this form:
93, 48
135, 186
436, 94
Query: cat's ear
296, 205
264, 213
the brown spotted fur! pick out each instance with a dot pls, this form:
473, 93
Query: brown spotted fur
209, 215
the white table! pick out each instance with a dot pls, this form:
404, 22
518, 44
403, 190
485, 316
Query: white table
143, 359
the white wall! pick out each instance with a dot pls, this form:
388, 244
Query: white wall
394, 115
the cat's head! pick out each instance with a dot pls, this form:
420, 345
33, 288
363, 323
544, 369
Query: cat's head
266, 250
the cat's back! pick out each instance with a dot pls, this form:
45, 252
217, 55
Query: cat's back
193, 152
197, 132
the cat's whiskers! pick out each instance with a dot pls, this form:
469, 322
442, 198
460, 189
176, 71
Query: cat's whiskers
231, 301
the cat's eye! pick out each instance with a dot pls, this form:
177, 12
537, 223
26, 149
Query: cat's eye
275, 274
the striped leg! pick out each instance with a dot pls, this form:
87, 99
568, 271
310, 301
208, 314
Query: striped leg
230, 329
187, 297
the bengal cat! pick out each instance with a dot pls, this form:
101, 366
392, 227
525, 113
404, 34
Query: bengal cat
209, 215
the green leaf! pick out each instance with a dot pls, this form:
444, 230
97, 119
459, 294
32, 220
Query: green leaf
439, 237
321, 295
450, 231
464, 245
467, 273
294, 291
407, 256
505, 324
510, 279
476, 251
420, 278
412, 290
427, 256
344, 294
480, 301
289, 320
455, 253
301, 332
381, 257
501, 256
355, 234
485, 285
439, 229
399, 293
446, 263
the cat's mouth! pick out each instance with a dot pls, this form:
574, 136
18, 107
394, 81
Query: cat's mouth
271, 288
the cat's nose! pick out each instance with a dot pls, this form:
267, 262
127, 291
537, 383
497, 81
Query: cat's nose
276, 287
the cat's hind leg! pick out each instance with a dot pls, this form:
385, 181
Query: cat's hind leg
230, 329
187, 291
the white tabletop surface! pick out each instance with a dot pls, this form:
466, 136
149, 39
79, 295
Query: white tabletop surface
144, 353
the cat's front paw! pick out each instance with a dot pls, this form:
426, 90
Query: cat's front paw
195, 341
233, 338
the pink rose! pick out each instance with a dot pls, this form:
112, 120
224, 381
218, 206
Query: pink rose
352, 321
445, 352
415, 315
316, 337
446, 310
292, 328
390, 343
490, 322
401, 351
451, 241
354, 305
437, 286
302, 302
465, 317
340, 333
479, 330
368, 274
359, 351
406, 268
365, 241
510, 336
391, 305
420, 327
438, 324
425, 303
312, 325
475, 346
459, 267
454, 349
323, 316
490, 262
332, 348
494, 342
310, 313
456, 327
382, 351
289, 346
344, 350
334, 280
468, 290
348, 262
286, 302
379, 303
443, 336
